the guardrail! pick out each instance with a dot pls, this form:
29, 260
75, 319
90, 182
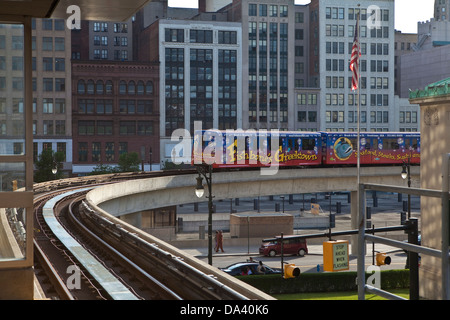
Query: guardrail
443, 254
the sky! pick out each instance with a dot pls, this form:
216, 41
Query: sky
407, 12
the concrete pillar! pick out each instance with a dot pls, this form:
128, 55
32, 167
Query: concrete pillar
434, 104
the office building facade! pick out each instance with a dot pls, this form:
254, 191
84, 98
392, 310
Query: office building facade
52, 100
200, 77
332, 31
115, 111
268, 46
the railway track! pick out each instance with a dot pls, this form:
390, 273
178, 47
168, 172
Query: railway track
68, 278
147, 271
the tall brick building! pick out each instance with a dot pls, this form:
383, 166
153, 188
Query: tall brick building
115, 111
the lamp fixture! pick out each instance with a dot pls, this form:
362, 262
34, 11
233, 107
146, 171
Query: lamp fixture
199, 189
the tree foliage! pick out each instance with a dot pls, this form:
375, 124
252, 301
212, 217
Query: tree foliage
47, 161
128, 162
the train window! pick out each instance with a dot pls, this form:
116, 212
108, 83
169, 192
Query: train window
375, 144
411, 144
297, 144
308, 144
354, 143
391, 144
290, 144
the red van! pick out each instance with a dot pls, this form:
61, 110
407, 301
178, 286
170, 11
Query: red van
291, 245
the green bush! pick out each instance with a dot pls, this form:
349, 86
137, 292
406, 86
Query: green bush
323, 282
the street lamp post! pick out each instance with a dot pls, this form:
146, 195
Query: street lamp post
206, 172
55, 168
406, 174
413, 257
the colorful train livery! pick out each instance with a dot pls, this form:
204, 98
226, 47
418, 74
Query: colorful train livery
250, 148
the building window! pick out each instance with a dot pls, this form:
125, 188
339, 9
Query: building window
283, 11
47, 44
127, 128
60, 127
122, 87
227, 37
96, 151
59, 25
109, 151
86, 128
273, 11
301, 116
82, 151
47, 84
81, 87
145, 128
48, 127
47, 105
109, 88
47, 24
252, 10
144, 106
60, 106
60, 84
174, 35
60, 64
104, 128
62, 147
201, 36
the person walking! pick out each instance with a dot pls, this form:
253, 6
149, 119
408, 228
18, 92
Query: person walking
215, 238
219, 241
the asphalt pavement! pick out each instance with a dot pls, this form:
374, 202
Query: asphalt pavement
385, 211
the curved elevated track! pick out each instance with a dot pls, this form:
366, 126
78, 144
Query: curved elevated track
81, 254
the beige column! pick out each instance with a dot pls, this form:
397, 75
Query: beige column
435, 136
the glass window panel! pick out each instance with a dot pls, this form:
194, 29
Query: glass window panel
12, 176
12, 115
16, 219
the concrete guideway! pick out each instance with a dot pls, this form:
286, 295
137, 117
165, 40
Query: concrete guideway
134, 196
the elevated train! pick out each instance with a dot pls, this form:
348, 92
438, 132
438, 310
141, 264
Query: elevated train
249, 148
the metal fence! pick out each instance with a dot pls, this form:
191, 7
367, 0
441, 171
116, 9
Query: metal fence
443, 254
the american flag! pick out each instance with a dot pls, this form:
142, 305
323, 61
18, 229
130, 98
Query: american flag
354, 60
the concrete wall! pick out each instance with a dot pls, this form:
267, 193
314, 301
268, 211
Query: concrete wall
255, 225
435, 134
139, 195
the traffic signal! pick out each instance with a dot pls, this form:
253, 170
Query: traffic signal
382, 259
290, 271
14, 185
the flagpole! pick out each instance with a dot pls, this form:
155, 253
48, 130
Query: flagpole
359, 99
359, 203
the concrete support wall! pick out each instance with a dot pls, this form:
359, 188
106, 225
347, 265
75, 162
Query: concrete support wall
435, 137
254, 225
139, 195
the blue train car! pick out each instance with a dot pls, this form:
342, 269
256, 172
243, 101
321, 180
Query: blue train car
250, 148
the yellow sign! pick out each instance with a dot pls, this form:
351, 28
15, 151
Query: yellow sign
335, 256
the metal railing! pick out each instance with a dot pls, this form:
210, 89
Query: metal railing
443, 254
